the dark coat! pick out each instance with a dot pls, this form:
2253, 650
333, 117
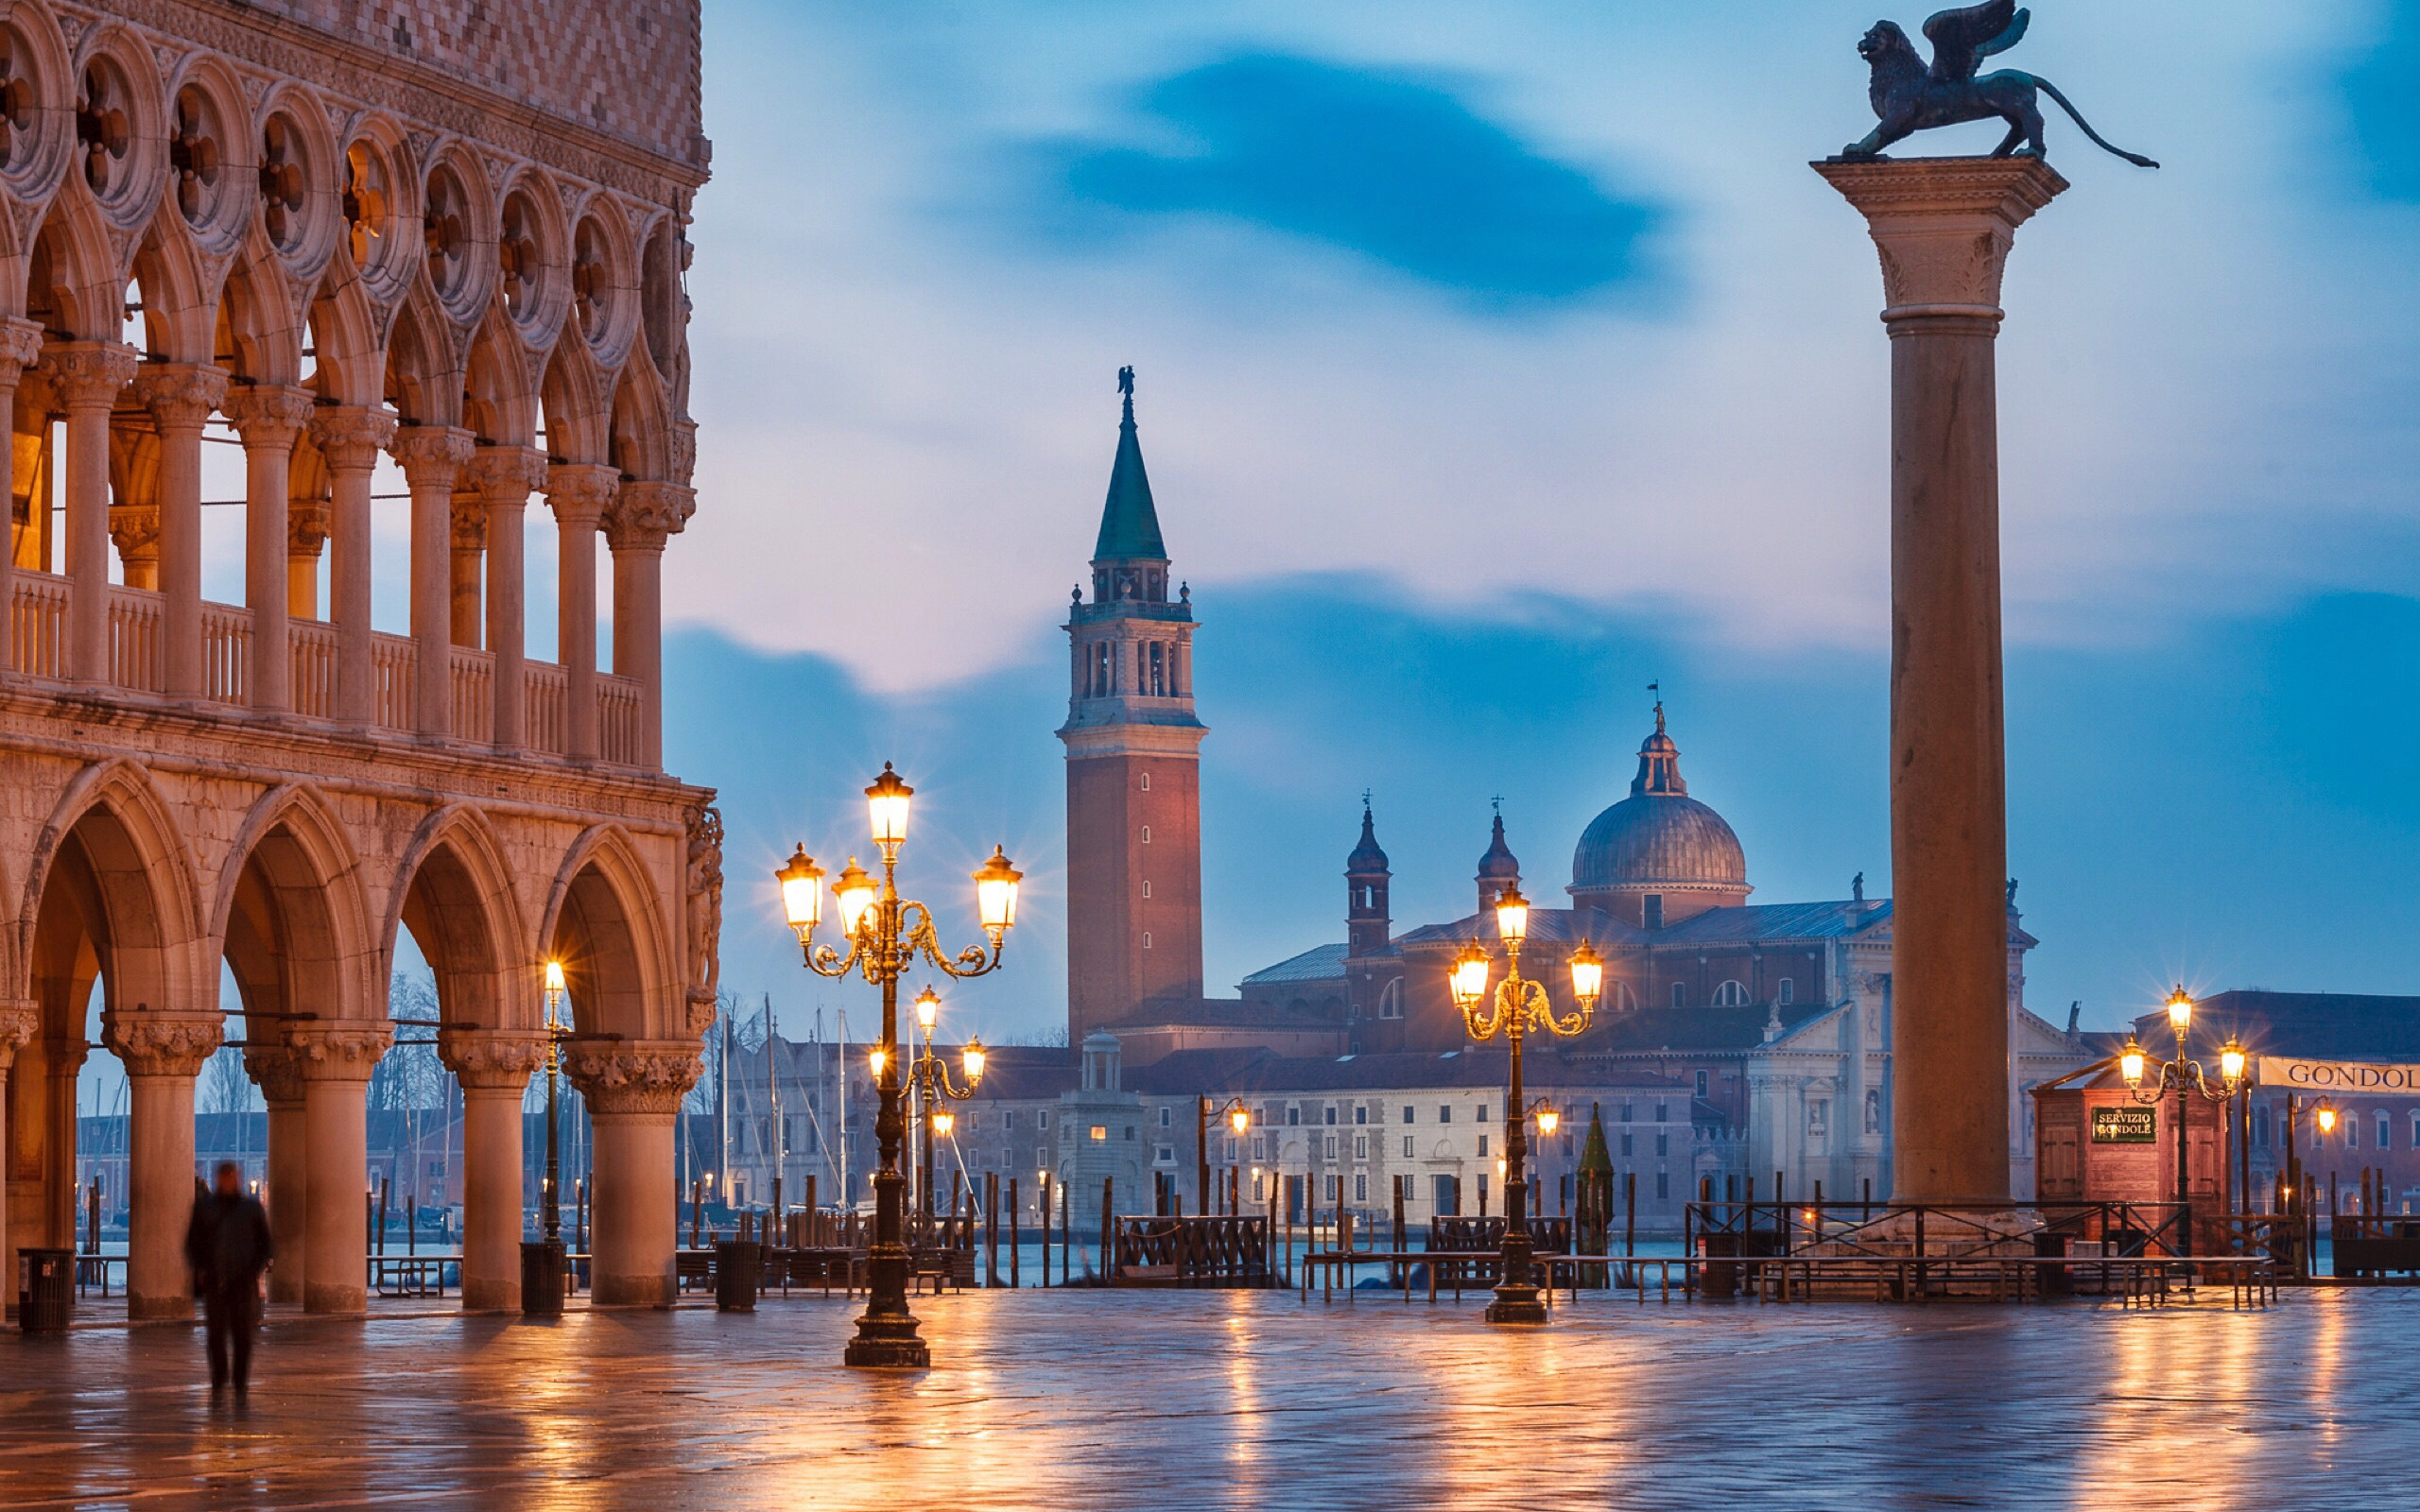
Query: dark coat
227, 1243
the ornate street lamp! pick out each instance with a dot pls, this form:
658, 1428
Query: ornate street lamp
2181, 1075
543, 1259
929, 1075
1518, 1007
1239, 1118
885, 935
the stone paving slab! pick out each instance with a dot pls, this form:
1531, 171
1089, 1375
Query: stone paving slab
1167, 1401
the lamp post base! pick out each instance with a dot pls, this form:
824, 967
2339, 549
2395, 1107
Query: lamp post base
888, 1343
1516, 1304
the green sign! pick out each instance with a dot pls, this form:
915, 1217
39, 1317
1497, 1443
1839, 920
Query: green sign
2125, 1126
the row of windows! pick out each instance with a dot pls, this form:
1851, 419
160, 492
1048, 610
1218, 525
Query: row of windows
2348, 1128
1099, 671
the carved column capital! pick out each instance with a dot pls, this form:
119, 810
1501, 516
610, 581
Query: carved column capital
87, 374
1944, 226
277, 1073
351, 436
19, 348
18, 1022
580, 493
430, 455
340, 1052
161, 1044
470, 530
135, 530
643, 515
633, 1077
179, 395
306, 526
491, 1060
506, 474
270, 416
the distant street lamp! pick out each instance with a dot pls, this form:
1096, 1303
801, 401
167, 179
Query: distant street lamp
1518, 1007
885, 935
2181, 1075
929, 1075
1239, 1118
543, 1259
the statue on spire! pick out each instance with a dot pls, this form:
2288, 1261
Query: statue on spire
1125, 382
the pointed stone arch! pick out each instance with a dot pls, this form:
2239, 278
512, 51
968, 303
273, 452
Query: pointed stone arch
577, 401
423, 376
499, 387
180, 293
641, 446
454, 891
73, 284
604, 921
349, 355
291, 917
140, 874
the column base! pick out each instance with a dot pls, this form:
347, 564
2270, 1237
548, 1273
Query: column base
629, 1291
490, 1296
1516, 1304
339, 1301
888, 1343
152, 1308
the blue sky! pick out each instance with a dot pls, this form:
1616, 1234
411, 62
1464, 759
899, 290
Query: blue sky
1496, 360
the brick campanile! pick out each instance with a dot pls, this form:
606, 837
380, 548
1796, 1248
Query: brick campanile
1133, 766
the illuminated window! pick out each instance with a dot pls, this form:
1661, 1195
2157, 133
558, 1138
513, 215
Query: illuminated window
1101, 1134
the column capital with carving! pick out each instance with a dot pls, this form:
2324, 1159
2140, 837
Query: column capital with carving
277, 1073
342, 1051
1944, 226
19, 348
643, 515
18, 1022
633, 1075
351, 436
506, 474
268, 415
87, 374
306, 526
580, 493
470, 527
431, 456
490, 1059
161, 1044
179, 395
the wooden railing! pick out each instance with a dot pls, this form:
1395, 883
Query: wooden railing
137, 651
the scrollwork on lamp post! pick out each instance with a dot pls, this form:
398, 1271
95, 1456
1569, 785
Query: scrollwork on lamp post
1517, 1006
887, 934
2182, 1075
929, 1075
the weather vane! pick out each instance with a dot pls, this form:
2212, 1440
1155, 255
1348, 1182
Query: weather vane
1910, 97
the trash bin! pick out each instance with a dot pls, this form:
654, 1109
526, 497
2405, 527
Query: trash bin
735, 1264
2056, 1280
542, 1278
1722, 1274
47, 1298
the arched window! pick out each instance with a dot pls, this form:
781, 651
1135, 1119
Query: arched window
2386, 1130
1146, 835
1390, 999
1679, 994
1788, 992
1146, 782
1623, 996
1730, 995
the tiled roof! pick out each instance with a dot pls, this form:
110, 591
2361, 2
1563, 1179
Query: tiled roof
2318, 1025
1550, 926
1260, 1071
1321, 963
1221, 1013
1715, 926
1637, 1031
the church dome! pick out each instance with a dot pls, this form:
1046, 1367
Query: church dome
1659, 839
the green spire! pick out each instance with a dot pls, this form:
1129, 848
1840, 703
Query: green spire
1129, 526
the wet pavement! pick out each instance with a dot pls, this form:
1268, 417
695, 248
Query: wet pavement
1167, 1401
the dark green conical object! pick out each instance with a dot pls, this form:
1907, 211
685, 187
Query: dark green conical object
1129, 525
1595, 1186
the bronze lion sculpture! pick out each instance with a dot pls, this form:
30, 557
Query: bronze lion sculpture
1910, 97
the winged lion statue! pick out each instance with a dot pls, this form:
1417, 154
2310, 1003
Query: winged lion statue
1910, 97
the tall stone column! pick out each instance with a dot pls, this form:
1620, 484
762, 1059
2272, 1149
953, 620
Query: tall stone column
269, 417
307, 535
580, 494
642, 518
493, 1071
1943, 227
336, 1060
18, 1022
634, 1089
503, 476
161, 1054
349, 437
431, 456
180, 397
85, 377
465, 611
279, 1076
20, 349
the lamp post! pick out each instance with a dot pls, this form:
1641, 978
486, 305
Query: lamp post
1239, 1118
1517, 1006
541, 1259
2181, 1075
929, 1075
885, 935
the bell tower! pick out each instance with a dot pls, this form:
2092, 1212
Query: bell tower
1134, 766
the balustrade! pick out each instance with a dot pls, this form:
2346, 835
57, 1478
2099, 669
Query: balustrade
136, 622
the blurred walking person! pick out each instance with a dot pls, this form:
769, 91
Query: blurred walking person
227, 1247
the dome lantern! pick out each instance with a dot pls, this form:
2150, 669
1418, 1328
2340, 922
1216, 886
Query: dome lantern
1659, 855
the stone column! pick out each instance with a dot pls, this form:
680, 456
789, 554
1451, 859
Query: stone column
1943, 227
634, 1089
580, 494
493, 1071
85, 377
643, 517
336, 1060
18, 1023
503, 476
279, 1076
134, 530
431, 456
180, 397
161, 1054
269, 417
350, 438
307, 535
469, 533
20, 349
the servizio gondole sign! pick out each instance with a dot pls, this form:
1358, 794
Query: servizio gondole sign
2336, 1075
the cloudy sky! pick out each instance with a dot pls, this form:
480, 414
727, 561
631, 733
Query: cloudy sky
1495, 359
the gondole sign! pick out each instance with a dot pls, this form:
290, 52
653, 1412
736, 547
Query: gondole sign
2337, 1076
2125, 1126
